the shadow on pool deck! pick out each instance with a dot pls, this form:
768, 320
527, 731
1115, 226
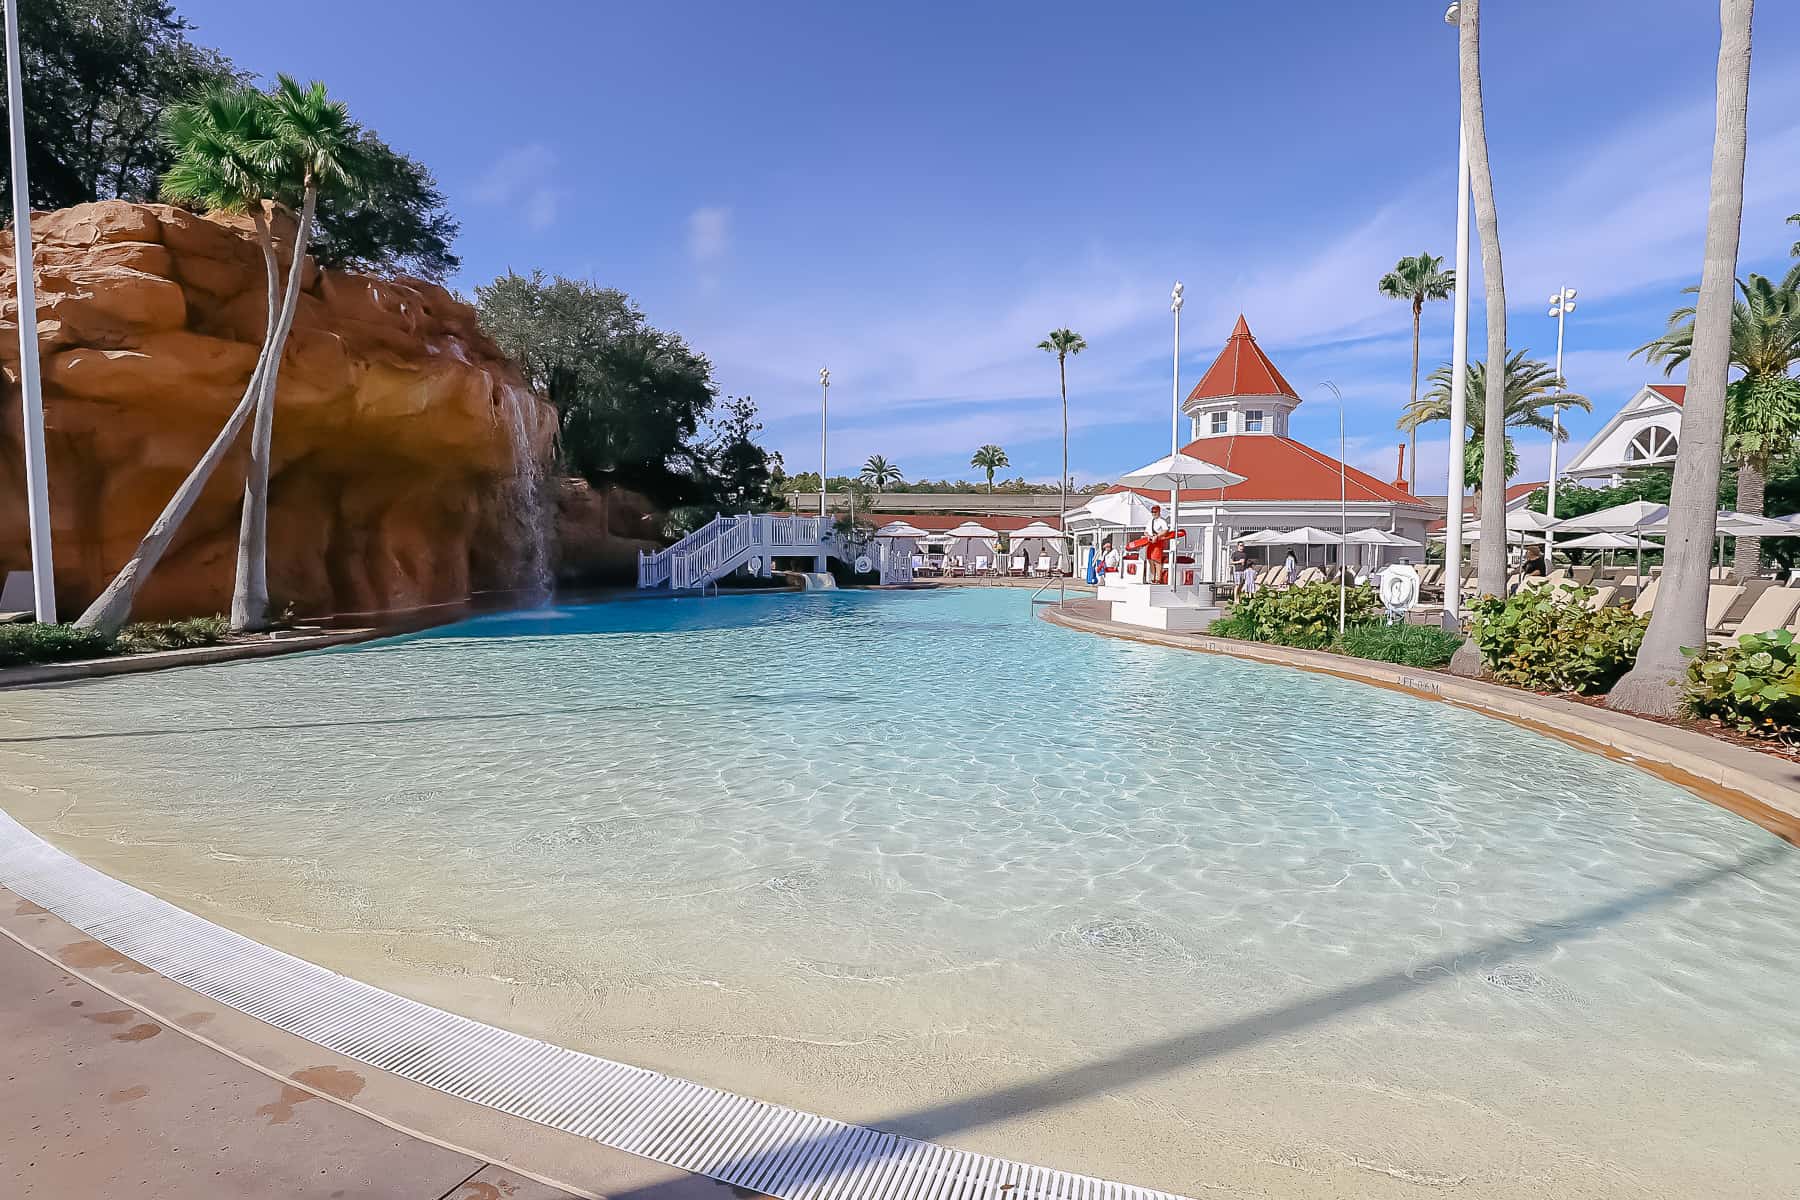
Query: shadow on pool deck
1182, 1050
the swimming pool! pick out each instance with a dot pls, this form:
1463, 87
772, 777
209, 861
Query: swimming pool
919, 860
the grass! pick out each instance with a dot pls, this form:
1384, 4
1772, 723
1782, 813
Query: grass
26, 645
1408, 645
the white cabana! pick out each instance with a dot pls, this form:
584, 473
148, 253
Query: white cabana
969, 532
900, 529
1037, 531
1306, 535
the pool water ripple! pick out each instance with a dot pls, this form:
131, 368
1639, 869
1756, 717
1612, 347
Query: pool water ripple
921, 860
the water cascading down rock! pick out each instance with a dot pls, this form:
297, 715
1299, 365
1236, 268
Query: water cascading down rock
409, 459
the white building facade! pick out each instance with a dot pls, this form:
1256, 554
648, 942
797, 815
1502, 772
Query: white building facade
1644, 433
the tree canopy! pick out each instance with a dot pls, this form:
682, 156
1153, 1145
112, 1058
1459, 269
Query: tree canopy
630, 398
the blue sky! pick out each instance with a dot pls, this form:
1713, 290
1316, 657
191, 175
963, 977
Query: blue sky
915, 194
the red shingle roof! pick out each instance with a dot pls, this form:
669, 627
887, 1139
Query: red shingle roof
1278, 468
1242, 369
1674, 393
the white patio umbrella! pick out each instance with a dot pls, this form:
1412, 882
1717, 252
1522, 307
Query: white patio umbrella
1607, 540
1378, 538
899, 529
1634, 518
1127, 510
1177, 471
1306, 535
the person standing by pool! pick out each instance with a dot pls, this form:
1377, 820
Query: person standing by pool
1290, 571
1241, 572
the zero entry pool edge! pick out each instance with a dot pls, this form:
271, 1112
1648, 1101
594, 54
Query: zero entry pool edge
768, 1148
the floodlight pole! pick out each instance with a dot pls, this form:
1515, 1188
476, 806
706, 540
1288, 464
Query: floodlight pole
37, 478
1459, 372
1175, 444
1343, 513
824, 416
1562, 303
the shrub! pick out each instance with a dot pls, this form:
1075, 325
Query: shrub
1305, 616
1409, 645
1548, 640
146, 636
1751, 685
21, 645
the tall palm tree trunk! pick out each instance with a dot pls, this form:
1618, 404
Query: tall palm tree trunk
1412, 402
1752, 476
112, 608
250, 591
1491, 572
1062, 484
1679, 618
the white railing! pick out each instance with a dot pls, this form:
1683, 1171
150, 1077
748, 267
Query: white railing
724, 543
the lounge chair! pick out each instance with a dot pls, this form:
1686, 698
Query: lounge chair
1602, 597
918, 561
1719, 599
1018, 564
1773, 610
1309, 575
1645, 602
16, 600
981, 565
1582, 575
1043, 565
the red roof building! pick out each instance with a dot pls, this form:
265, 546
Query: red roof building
1239, 414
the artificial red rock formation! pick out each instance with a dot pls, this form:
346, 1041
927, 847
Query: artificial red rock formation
401, 431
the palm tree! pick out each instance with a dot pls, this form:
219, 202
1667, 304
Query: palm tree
319, 150
1679, 618
1762, 409
1531, 396
1062, 343
990, 458
223, 145
1417, 279
1491, 575
879, 473
1795, 248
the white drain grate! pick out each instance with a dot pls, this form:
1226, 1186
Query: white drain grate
763, 1147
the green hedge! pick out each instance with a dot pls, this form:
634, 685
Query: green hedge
1751, 685
1408, 645
1548, 640
1305, 616
25, 645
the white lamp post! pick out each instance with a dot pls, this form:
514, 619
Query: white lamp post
1562, 303
1343, 513
37, 480
1175, 443
824, 411
1459, 373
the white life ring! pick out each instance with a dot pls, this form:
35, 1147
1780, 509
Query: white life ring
863, 565
1399, 587
755, 565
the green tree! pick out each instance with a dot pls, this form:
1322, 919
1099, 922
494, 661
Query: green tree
1491, 575
630, 398
316, 150
1531, 396
223, 159
395, 222
743, 471
1762, 407
97, 77
990, 458
1417, 279
1795, 248
1062, 343
880, 474
1679, 618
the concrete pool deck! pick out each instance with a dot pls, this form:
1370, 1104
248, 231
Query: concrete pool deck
124, 1083
1763, 788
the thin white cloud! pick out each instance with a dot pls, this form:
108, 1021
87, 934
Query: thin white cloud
709, 232
523, 180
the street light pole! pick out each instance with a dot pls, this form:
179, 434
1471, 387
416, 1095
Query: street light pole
824, 419
1459, 377
1562, 303
1343, 514
1175, 444
37, 479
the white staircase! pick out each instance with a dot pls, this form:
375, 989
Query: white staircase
724, 544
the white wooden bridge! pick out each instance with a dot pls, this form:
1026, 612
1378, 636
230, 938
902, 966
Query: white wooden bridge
724, 544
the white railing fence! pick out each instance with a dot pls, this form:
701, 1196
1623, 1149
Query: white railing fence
724, 543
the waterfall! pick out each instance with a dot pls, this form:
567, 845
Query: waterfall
817, 581
523, 495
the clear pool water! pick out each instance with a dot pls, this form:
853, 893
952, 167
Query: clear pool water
921, 860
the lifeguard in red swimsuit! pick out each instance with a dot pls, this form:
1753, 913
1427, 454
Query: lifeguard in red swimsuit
1156, 548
